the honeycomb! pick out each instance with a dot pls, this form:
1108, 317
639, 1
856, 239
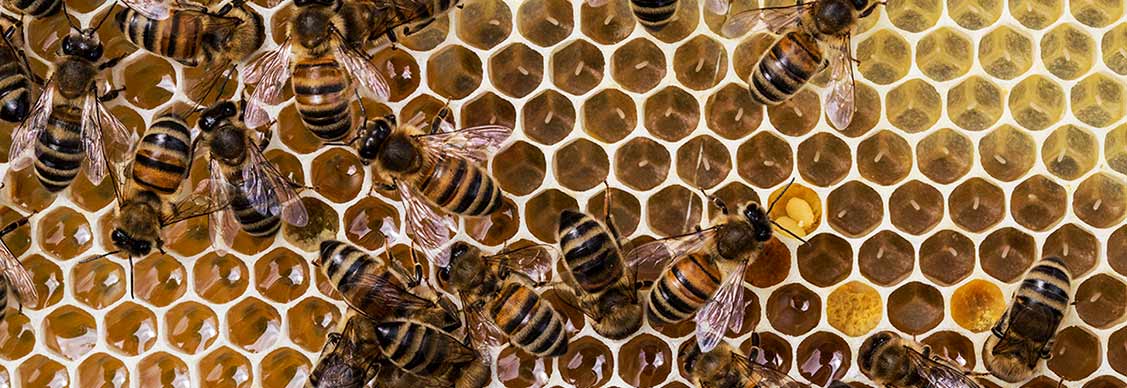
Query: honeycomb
988, 134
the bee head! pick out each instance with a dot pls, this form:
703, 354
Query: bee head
215, 115
83, 45
373, 136
136, 228
399, 154
312, 27
135, 247
759, 221
463, 267
872, 347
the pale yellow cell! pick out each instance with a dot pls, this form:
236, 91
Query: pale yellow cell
854, 308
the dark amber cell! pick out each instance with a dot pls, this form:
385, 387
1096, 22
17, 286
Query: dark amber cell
773, 351
41, 371
401, 71
945, 155
98, 283
520, 168
700, 63
947, 257
854, 209
338, 174
521, 369
225, 368
977, 204
825, 260
915, 207
1117, 350
824, 159
578, 67
676, 330
608, 24
1101, 200
1007, 253
151, 82
294, 134
642, 163
1072, 356
489, 109
497, 228
548, 117
674, 210
542, 213
102, 370
25, 191
581, 165
823, 357
751, 311
461, 73
748, 52
625, 210
64, 233
797, 115
545, 22
954, 346
288, 367
47, 278
731, 113
915, 308
609, 115
671, 114
793, 309
516, 70
886, 258
1117, 250
367, 219
310, 322
1077, 247
884, 158
772, 265
638, 65
281, 275
1101, 301
1105, 382
220, 279
1038, 203
588, 363
484, 23
19, 240
70, 332
645, 361
765, 160
131, 329
259, 325
323, 224
160, 280
703, 162
17, 336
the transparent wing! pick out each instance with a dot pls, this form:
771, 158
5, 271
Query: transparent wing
269, 74
773, 19
475, 143
18, 276
268, 191
649, 259
534, 261
839, 104
718, 7
101, 129
766, 377
22, 152
224, 227
363, 70
429, 228
725, 310
153, 9
597, 3
482, 329
386, 292
198, 203
940, 375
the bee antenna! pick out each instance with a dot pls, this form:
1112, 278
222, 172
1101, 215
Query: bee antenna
787, 231
70, 21
104, 17
776, 200
93, 258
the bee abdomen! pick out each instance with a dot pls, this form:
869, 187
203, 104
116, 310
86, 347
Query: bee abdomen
683, 288
15, 98
4, 292
460, 187
530, 323
252, 221
162, 157
60, 149
590, 253
323, 94
785, 68
177, 37
654, 14
1049, 282
37, 8
344, 264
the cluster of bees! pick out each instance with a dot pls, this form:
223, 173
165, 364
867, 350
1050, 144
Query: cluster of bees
403, 331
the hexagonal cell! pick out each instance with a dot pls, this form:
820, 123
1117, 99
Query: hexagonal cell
1077, 247
974, 14
638, 65
1100, 200
131, 329
1098, 100
884, 158
259, 325
366, 219
765, 160
524, 370
151, 82
542, 213
823, 159
886, 258
342, 168
192, 327
484, 23
953, 346
288, 367
497, 228
98, 283
70, 332
489, 109
45, 36
25, 191
48, 281
609, 115
854, 209
885, 57
914, 106
674, 210
703, 162
1072, 356
220, 279
461, 72
977, 305
323, 224
1037, 102
825, 260
625, 209
671, 114
915, 308
914, 15
977, 204
519, 168
797, 115
947, 257
1101, 301
401, 71
772, 351
642, 163
1114, 48
731, 113
310, 322
102, 370
588, 363
945, 155
545, 22
1007, 253
854, 308
516, 70
225, 368
1036, 14
793, 309
64, 233
281, 275
160, 279
772, 266
1007, 153
1115, 149
17, 336
40, 371
944, 54
975, 104
1067, 51
608, 24
822, 357
548, 117
428, 38
700, 63
1096, 13
89, 197
1070, 151
577, 67
800, 209
293, 133
164, 370
1005, 52
581, 165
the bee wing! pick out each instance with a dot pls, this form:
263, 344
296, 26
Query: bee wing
939, 374
18, 276
773, 19
199, 203
152, 9
97, 122
718, 7
725, 310
597, 3
363, 70
269, 74
482, 329
766, 377
387, 292
649, 259
839, 104
268, 191
224, 227
534, 261
22, 152
475, 143
430, 228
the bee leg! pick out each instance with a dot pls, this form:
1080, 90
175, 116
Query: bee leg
110, 62
110, 95
407, 31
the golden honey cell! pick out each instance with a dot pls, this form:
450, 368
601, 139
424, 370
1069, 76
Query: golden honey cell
977, 305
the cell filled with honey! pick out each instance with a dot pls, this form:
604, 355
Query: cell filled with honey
497, 228
258, 327
131, 329
64, 233
102, 370
366, 221
288, 367
70, 332
17, 336
225, 367
98, 283
793, 309
220, 279
164, 369
160, 279
823, 357
588, 363
191, 327
954, 346
340, 174
48, 280
41, 371
645, 361
771, 267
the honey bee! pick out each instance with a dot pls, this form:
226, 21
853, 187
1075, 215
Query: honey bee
65, 127
35, 8
374, 287
433, 355
16, 284
191, 34
1025, 333
262, 197
16, 76
890, 360
350, 358
324, 62
725, 367
499, 299
651, 14
811, 33
702, 272
596, 275
441, 168
414, 14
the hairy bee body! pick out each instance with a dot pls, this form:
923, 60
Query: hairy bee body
323, 93
529, 321
890, 360
683, 288
229, 139
412, 12
35, 8
786, 67
654, 14
348, 357
60, 147
598, 275
15, 85
163, 155
195, 36
427, 351
1025, 333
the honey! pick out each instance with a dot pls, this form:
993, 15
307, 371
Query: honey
645, 361
103, 370
192, 328
953, 346
588, 363
793, 309
260, 325
822, 357
70, 332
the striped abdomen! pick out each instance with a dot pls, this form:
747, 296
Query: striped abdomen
5, 295
461, 187
654, 14
589, 251
36, 8
785, 68
15, 87
686, 285
529, 321
417, 348
322, 89
1047, 289
161, 161
176, 38
250, 219
59, 148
